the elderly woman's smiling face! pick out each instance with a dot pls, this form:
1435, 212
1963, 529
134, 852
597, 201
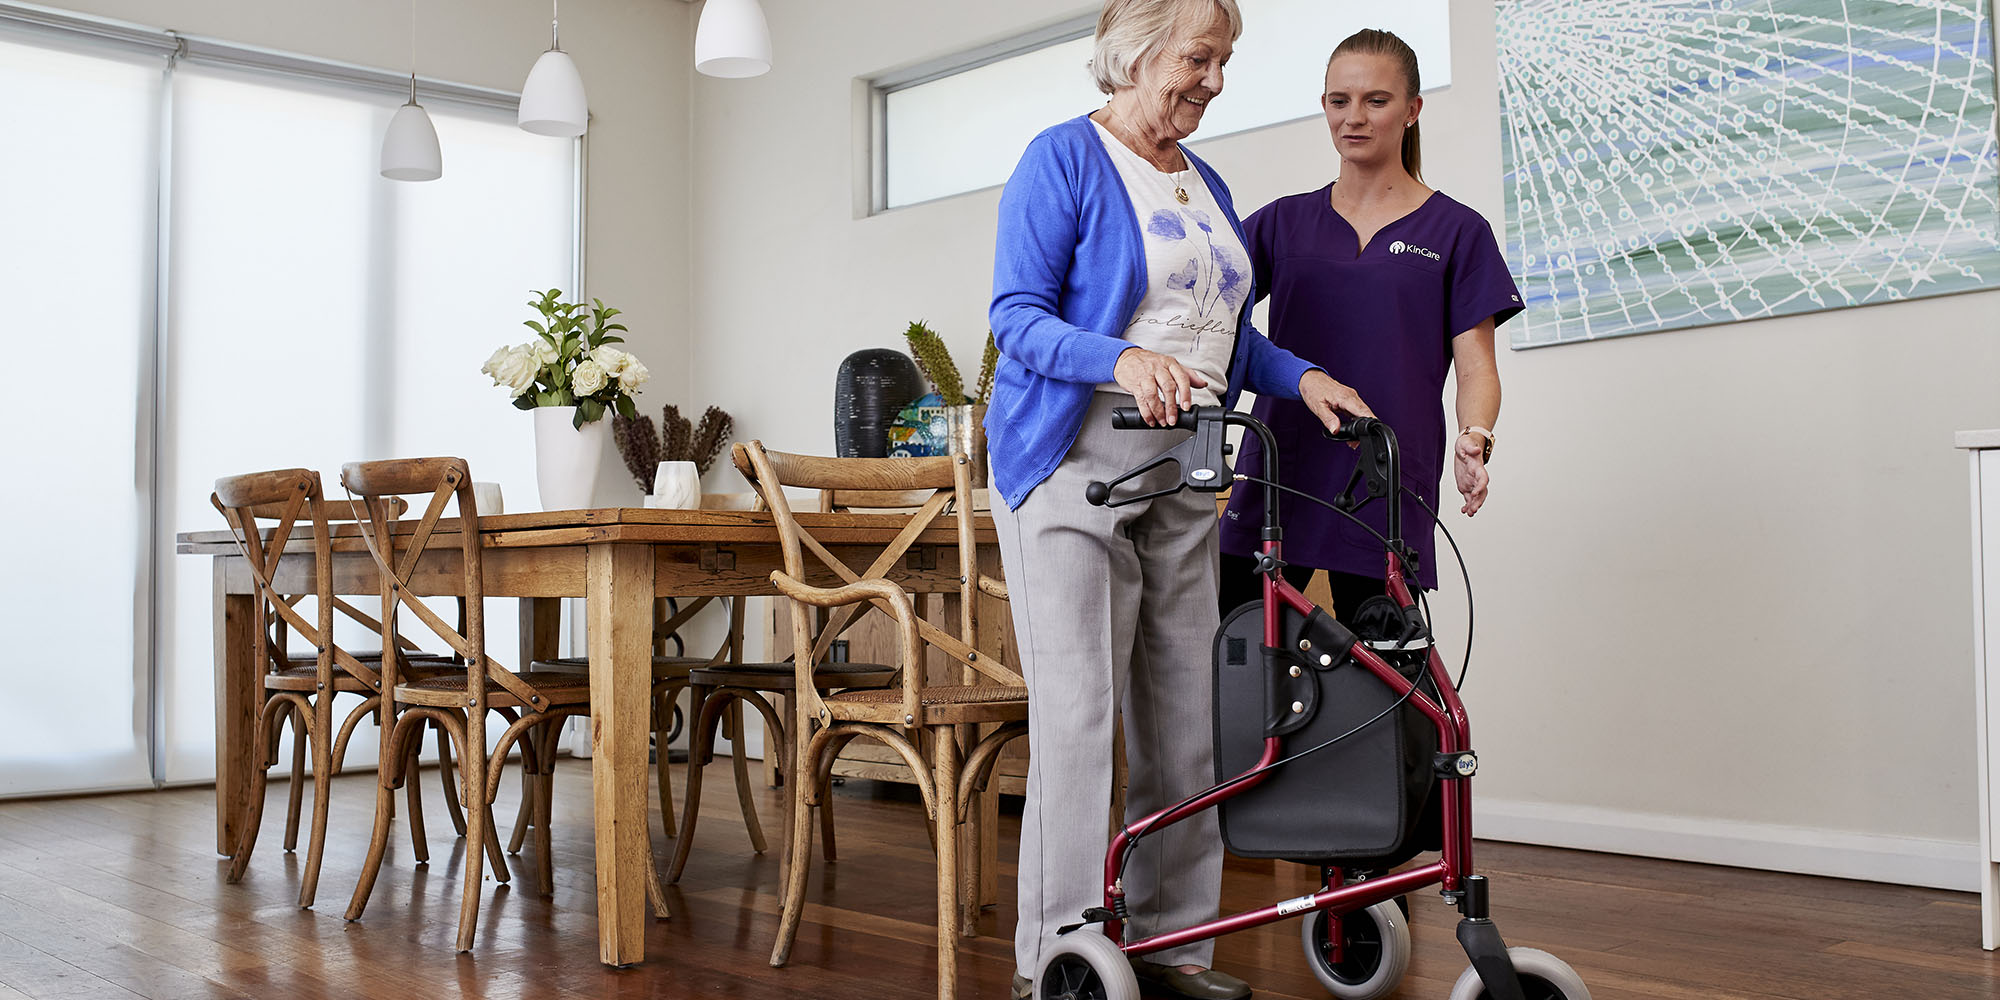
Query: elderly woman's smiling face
1172, 89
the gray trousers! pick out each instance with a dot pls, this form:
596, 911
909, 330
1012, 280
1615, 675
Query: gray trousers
1114, 607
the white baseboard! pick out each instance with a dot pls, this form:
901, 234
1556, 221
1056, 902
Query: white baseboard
1939, 864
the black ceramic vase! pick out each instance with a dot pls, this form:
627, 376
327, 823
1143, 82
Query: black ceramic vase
872, 386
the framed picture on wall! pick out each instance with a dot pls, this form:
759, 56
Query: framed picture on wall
1671, 164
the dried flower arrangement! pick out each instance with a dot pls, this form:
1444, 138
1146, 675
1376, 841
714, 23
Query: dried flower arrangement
934, 360
643, 447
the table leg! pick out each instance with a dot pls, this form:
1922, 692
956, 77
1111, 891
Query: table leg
236, 704
541, 629
619, 602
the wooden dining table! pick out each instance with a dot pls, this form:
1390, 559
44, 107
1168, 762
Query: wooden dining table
618, 560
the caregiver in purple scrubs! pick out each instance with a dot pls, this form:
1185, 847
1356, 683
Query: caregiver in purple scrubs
1390, 283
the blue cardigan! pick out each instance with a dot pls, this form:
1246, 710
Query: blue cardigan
1069, 272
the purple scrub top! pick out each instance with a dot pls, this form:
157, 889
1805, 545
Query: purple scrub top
1381, 321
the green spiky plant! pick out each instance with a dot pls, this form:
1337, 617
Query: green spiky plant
935, 361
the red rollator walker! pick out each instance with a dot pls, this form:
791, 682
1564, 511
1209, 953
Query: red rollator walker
1339, 744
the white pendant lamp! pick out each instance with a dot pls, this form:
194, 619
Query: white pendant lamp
410, 147
732, 39
552, 100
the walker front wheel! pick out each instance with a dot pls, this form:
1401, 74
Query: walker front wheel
1085, 965
1543, 977
1375, 952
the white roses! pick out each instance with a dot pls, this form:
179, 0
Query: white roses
571, 362
588, 379
514, 367
621, 366
520, 366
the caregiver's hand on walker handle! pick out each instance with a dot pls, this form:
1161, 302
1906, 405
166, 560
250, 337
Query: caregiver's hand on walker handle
1328, 399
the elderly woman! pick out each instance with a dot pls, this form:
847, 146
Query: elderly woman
1121, 279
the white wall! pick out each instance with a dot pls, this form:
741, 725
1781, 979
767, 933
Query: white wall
1723, 580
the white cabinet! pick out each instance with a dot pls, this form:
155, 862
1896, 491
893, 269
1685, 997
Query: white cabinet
1984, 449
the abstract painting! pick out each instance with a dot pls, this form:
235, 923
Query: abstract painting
1678, 163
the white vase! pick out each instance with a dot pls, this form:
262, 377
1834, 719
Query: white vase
676, 486
567, 458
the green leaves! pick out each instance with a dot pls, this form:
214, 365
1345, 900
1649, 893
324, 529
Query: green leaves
544, 373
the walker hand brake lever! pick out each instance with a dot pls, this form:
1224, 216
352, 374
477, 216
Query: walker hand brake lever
1200, 458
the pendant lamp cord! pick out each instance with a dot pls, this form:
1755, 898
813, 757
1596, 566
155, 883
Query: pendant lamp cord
555, 24
413, 51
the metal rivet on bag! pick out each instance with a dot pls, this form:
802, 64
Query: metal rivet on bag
1326, 659
1296, 671
1305, 645
1298, 706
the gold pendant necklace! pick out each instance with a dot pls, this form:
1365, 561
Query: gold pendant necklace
1180, 189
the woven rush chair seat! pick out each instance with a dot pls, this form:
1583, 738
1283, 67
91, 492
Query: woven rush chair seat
936, 694
374, 656
450, 690
663, 666
781, 677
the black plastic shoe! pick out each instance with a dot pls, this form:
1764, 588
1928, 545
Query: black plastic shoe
1207, 984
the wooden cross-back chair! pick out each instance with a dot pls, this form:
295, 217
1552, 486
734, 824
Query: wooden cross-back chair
458, 702
718, 692
412, 658
291, 499
949, 734
298, 689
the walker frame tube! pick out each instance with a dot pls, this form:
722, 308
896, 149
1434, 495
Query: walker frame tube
1446, 712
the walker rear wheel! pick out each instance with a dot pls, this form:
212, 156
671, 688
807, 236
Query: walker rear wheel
1085, 965
1543, 977
1375, 946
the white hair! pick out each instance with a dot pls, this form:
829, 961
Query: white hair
1131, 30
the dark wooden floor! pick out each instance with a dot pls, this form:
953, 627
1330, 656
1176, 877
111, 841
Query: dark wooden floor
121, 896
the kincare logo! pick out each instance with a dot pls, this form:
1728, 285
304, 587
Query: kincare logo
1401, 247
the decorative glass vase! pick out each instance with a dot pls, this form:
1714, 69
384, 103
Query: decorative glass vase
566, 457
964, 428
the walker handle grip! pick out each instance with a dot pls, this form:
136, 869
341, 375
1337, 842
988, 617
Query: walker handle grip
1127, 418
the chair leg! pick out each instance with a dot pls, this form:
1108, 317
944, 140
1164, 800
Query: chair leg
530, 766
259, 782
663, 713
478, 827
296, 793
798, 855
545, 866
496, 859
706, 710
741, 765
655, 892
385, 810
451, 806
420, 841
824, 782
320, 735
944, 776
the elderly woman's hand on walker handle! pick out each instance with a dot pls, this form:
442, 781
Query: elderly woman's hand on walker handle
1160, 385
1328, 399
